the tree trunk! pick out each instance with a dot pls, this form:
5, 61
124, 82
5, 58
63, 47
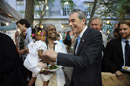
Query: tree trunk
29, 11
43, 11
93, 11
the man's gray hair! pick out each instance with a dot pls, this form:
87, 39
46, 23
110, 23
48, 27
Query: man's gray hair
95, 17
81, 14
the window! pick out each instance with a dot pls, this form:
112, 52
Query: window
66, 9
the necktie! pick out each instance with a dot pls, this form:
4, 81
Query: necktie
78, 41
127, 53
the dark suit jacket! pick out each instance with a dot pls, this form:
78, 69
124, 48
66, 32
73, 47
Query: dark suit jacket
10, 63
113, 57
87, 61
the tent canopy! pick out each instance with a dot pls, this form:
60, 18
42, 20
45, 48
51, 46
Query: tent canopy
6, 8
9, 27
8, 13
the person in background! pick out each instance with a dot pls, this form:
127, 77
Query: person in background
20, 43
60, 36
116, 33
67, 41
88, 53
117, 52
58, 78
24, 25
111, 35
25, 28
74, 38
97, 23
11, 68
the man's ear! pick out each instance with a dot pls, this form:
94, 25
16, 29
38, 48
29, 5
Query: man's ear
84, 21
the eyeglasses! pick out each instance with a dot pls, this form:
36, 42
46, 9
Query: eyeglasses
52, 29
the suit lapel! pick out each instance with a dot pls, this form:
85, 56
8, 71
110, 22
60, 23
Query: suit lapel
84, 37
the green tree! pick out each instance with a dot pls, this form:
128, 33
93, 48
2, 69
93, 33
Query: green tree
113, 8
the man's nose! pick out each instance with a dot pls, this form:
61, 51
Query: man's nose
70, 24
94, 27
53, 30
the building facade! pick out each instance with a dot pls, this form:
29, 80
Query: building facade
57, 12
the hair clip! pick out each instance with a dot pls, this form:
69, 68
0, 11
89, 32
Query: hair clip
32, 35
41, 33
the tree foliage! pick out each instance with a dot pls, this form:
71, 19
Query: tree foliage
42, 8
113, 8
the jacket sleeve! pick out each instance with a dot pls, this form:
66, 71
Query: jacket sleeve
9, 57
89, 54
108, 64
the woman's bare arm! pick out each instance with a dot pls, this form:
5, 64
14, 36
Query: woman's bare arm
47, 60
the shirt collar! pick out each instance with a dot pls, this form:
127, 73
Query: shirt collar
124, 40
28, 30
100, 31
81, 34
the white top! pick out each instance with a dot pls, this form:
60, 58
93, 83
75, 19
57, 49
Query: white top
32, 58
104, 38
61, 37
59, 47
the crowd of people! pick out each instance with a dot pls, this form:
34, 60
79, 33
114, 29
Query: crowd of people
85, 52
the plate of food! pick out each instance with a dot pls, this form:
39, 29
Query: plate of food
54, 68
126, 68
50, 68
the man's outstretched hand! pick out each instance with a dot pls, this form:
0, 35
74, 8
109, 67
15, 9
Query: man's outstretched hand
51, 54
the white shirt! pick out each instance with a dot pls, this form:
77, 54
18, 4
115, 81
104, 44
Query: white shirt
61, 37
59, 47
81, 34
104, 38
32, 58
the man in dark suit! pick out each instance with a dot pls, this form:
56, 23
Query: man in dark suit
11, 73
87, 59
114, 56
